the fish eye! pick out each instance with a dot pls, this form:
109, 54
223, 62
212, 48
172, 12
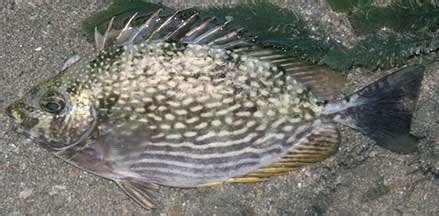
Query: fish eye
52, 102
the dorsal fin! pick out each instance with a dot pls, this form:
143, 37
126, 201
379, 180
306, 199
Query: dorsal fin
192, 30
324, 83
180, 30
189, 28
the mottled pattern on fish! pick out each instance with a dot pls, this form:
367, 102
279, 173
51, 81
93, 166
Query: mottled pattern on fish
188, 114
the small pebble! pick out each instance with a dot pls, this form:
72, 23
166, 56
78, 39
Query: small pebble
26, 193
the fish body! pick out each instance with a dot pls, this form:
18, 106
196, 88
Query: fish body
188, 102
184, 116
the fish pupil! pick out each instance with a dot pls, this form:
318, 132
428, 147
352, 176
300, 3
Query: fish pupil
52, 106
53, 103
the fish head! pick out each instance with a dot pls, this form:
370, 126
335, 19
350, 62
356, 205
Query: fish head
57, 113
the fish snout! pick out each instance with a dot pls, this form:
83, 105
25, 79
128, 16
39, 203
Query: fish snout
13, 111
12, 124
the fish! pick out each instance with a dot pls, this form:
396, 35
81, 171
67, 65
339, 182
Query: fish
184, 101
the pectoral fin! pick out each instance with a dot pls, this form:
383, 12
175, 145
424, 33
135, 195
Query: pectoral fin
142, 193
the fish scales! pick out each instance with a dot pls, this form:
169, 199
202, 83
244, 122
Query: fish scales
196, 80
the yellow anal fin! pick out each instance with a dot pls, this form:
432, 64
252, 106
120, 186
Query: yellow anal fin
247, 179
210, 184
320, 144
243, 179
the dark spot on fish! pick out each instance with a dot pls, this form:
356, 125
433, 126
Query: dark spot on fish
147, 106
220, 75
73, 87
107, 104
57, 122
139, 55
29, 123
108, 56
237, 89
145, 71
322, 103
29, 108
127, 117
253, 109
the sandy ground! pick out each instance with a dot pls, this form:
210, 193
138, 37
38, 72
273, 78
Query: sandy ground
36, 36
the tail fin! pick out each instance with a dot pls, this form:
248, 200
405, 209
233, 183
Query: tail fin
383, 110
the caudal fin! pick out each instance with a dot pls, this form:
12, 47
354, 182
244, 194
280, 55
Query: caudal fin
383, 110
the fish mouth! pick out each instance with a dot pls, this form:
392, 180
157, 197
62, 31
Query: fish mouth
15, 124
10, 111
13, 116
12, 125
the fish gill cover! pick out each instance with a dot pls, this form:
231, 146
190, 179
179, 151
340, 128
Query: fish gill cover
391, 34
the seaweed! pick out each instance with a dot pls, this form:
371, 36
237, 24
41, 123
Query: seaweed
382, 50
347, 6
392, 34
270, 25
405, 16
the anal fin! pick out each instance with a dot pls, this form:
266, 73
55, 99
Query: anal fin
320, 144
142, 193
241, 179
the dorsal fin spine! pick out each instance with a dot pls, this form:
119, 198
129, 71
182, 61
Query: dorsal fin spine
227, 37
101, 40
233, 44
98, 39
260, 53
163, 25
199, 28
272, 57
107, 32
211, 32
177, 31
127, 26
145, 25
